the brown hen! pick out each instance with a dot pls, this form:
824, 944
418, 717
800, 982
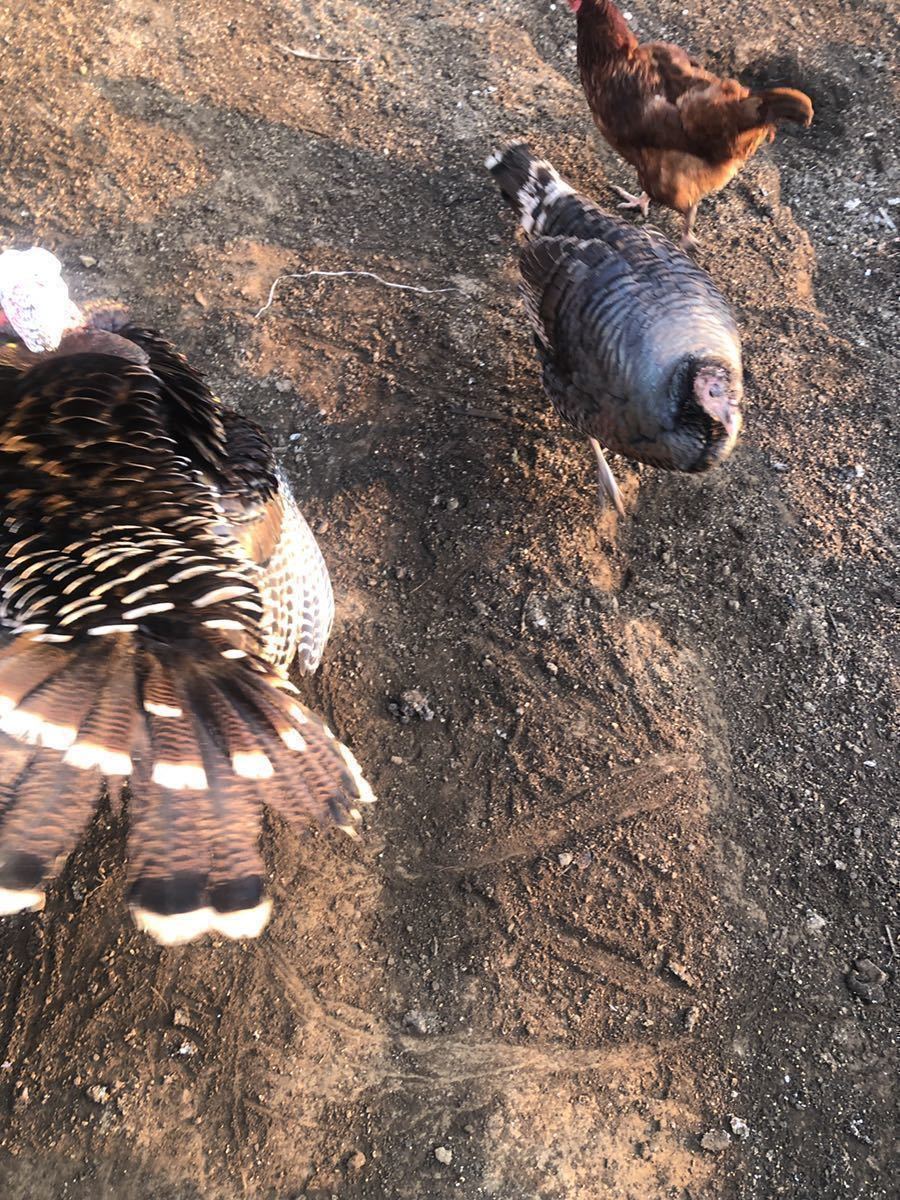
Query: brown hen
686, 131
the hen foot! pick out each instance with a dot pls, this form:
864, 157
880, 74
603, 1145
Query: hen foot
641, 202
688, 242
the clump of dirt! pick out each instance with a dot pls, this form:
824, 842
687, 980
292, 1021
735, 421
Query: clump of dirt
623, 925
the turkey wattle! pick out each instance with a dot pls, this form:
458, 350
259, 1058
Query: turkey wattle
157, 581
640, 352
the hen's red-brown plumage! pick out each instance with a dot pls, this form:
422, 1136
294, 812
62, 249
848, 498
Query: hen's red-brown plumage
686, 131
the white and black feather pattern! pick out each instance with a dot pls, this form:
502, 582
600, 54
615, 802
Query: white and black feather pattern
298, 586
293, 581
263, 517
156, 582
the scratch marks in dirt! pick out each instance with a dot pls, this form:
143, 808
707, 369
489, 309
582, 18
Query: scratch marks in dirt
628, 792
368, 1052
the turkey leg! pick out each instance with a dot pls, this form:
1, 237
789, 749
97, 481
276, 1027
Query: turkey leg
609, 489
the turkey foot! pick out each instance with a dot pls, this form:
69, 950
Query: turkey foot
609, 489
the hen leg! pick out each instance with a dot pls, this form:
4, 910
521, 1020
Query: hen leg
688, 241
609, 489
641, 202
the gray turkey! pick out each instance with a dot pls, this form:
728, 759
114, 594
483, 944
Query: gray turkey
639, 350
157, 580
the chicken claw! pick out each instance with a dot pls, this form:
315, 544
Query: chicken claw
688, 242
641, 202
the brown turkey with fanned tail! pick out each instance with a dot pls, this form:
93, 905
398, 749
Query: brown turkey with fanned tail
157, 581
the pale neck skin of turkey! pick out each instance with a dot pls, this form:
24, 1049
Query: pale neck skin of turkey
670, 339
652, 429
96, 334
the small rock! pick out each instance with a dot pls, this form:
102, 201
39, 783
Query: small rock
181, 1017
283, 385
534, 613
452, 504
739, 1128
87, 260
565, 859
201, 299
583, 860
413, 704
552, 668
187, 1049
356, 1161
396, 760
691, 1017
715, 1140
815, 923
98, 1093
866, 981
443, 1155
418, 1021
680, 971
856, 1128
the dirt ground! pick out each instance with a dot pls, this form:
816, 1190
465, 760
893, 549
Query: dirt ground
598, 941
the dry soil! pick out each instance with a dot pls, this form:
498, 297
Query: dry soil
598, 941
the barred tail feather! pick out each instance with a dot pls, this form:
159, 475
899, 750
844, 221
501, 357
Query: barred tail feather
203, 740
529, 185
47, 805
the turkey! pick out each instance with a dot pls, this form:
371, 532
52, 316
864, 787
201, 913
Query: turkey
157, 580
640, 352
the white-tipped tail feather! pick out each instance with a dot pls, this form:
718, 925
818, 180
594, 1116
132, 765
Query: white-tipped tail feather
247, 924
176, 929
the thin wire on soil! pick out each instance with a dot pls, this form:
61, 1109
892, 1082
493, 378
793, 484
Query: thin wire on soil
403, 287
307, 56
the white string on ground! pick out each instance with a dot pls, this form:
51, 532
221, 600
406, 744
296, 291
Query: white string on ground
309, 57
403, 287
